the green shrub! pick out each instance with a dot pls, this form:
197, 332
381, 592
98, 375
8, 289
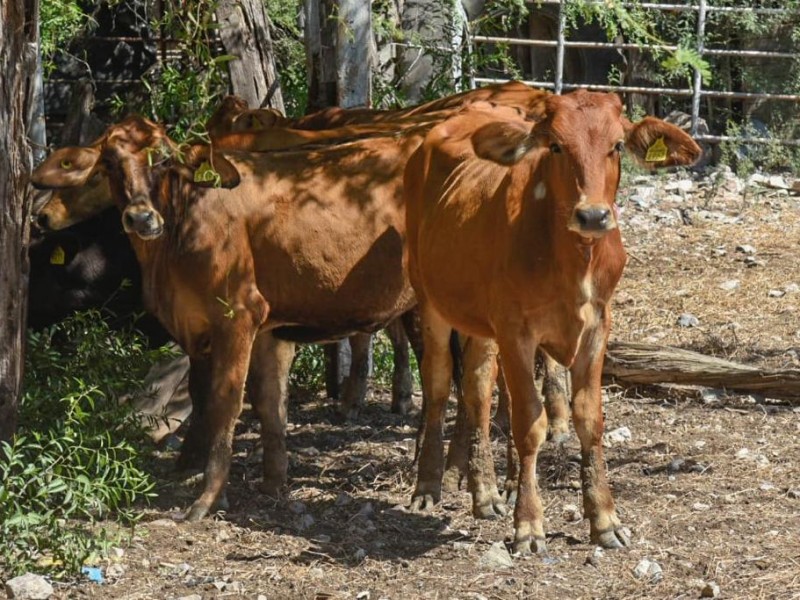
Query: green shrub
77, 455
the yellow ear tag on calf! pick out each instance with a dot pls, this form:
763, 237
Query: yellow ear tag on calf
66, 165
58, 257
657, 152
205, 173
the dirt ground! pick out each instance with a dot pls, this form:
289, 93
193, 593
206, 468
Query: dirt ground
708, 483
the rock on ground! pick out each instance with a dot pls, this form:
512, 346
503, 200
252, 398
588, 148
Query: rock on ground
28, 587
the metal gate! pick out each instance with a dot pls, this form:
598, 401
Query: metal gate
701, 8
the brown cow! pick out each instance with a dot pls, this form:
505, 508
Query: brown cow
309, 241
513, 240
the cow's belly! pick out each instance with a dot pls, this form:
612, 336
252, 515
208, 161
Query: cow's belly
348, 283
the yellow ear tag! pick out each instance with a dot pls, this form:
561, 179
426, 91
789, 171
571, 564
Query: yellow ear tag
657, 152
58, 257
66, 165
205, 173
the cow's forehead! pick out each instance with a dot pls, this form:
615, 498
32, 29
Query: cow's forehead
133, 133
585, 117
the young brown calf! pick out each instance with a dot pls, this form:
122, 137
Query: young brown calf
513, 240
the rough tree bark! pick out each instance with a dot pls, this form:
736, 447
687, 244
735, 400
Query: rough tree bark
338, 39
18, 42
320, 36
430, 55
244, 31
339, 44
636, 363
354, 54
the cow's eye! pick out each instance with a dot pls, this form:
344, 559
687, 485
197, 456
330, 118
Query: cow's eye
555, 148
619, 146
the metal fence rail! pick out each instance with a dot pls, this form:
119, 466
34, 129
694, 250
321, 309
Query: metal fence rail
702, 8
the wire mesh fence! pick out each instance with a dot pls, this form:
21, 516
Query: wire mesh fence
695, 92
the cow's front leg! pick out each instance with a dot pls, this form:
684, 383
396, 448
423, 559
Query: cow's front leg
231, 345
268, 390
529, 429
480, 373
436, 376
587, 416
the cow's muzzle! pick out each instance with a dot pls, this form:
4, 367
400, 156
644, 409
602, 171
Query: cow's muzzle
143, 221
593, 220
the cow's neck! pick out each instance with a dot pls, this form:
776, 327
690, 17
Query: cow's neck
573, 281
153, 256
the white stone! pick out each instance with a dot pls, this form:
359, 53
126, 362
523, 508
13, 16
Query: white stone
496, 557
649, 570
28, 587
620, 435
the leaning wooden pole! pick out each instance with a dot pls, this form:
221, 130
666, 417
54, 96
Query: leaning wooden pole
635, 363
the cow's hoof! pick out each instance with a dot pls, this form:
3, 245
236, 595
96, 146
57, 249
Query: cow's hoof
401, 406
613, 539
530, 545
509, 494
190, 460
493, 509
197, 512
559, 438
423, 502
451, 480
274, 488
347, 413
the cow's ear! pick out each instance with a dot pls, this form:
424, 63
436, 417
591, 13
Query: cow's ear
210, 169
503, 142
656, 143
66, 167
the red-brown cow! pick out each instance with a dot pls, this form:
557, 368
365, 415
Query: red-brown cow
310, 240
513, 240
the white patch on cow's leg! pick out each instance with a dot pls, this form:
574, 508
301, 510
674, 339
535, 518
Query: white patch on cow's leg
540, 191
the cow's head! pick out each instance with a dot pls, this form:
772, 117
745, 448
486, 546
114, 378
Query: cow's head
133, 156
234, 116
579, 140
68, 206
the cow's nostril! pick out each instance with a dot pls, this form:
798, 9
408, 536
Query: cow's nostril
128, 221
43, 221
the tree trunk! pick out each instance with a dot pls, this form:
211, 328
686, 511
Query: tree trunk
339, 51
636, 363
429, 62
354, 54
320, 36
244, 31
18, 40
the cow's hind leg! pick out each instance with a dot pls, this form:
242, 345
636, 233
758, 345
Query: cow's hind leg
480, 373
354, 388
231, 345
503, 421
587, 416
436, 376
529, 428
268, 390
402, 382
554, 389
456, 466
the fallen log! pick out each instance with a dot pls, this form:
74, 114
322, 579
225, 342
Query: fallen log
635, 363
